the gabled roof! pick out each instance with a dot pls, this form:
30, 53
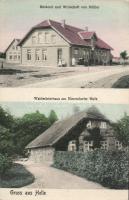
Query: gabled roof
18, 40
70, 33
102, 45
86, 35
60, 128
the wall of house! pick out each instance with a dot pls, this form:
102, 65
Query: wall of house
42, 155
13, 54
98, 56
45, 40
80, 52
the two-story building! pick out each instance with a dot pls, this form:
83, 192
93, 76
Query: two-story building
51, 43
13, 52
84, 131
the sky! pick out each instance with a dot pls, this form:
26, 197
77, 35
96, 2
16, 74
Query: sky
112, 111
110, 20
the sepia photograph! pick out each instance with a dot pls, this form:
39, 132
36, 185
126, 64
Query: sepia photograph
64, 44
64, 145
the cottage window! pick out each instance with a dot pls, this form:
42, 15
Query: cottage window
19, 57
37, 54
89, 124
76, 51
13, 47
28, 54
88, 146
118, 145
33, 39
53, 39
72, 145
103, 125
44, 54
104, 145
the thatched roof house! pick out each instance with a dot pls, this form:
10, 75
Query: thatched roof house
69, 134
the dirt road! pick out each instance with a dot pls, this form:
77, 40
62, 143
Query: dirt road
49, 177
83, 80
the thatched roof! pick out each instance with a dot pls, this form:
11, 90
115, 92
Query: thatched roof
60, 128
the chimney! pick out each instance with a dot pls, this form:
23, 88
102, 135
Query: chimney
63, 23
86, 28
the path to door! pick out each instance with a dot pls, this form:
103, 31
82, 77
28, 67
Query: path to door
49, 177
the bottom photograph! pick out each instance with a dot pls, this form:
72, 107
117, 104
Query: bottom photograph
64, 145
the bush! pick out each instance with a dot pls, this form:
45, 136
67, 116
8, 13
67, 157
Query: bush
109, 168
122, 82
17, 176
5, 164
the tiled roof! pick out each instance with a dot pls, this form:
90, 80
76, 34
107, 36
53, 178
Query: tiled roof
70, 33
103, 45
86, 34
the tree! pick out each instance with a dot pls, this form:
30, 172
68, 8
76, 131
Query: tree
27, 128
6, 119
52, 117
124, 55
121, 129
6, 143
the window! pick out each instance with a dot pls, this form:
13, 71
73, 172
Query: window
19, 57
76, 51
72, 145
53, 39
44, 54
103, 125
118, 145
89, 124
88, 146
13, 47
28, 54
15, 57
33, 39
10, 57
104, 145
46, 37
40, 38
37, 54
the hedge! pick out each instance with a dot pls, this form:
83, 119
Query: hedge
109, 168
5, 164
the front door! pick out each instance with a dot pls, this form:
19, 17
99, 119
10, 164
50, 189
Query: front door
59, 57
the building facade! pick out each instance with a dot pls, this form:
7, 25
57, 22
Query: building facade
85, 131
51, 43
13, 52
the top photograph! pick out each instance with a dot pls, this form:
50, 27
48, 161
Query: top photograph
71, 44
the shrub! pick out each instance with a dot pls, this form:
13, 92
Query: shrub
109, 168
5, 164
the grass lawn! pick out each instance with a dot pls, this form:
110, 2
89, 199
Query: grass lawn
122, 82
16, 177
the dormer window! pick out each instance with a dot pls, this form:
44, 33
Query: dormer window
89, 125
